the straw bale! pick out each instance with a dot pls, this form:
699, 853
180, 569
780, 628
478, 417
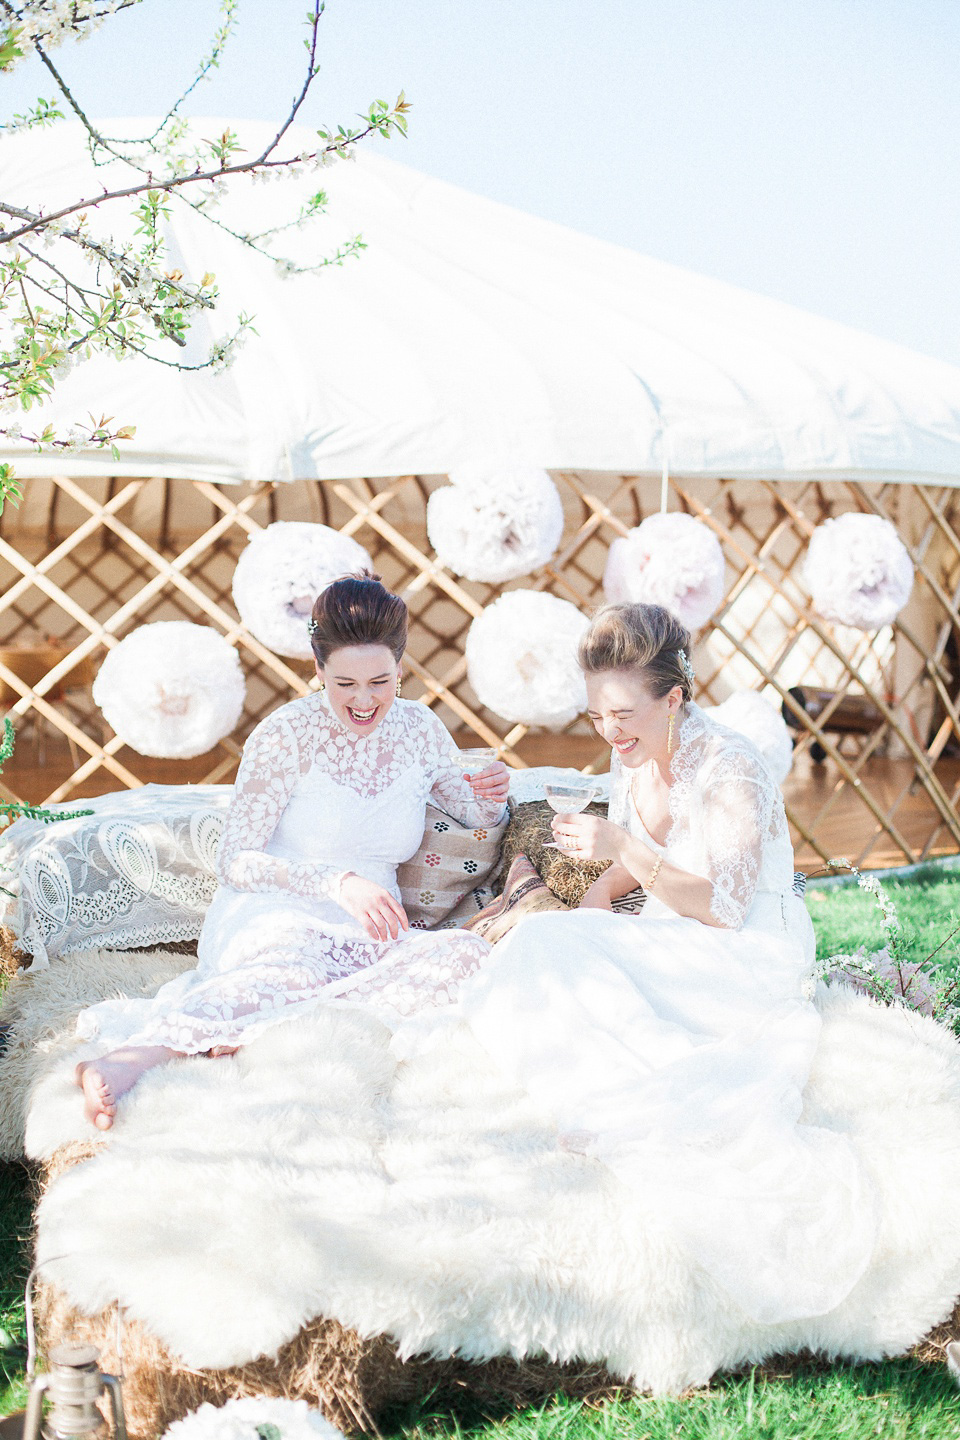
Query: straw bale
354, 1381
11, 956
528, 833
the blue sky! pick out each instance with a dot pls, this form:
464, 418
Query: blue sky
807, 149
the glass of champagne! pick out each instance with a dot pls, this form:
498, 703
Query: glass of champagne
472, 762
568, 797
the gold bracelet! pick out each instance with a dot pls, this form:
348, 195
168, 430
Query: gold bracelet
654, 873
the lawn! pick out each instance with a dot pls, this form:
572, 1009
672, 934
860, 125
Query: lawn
899, 1399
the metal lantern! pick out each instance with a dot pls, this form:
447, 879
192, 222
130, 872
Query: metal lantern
73, 1383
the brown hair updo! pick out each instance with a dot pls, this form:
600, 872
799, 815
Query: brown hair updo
639, 637
357, 610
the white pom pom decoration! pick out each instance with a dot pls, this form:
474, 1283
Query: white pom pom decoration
493, 524
755, 717
244, 1419
522, 659
858, 571
171, 689
669, 560
281, 573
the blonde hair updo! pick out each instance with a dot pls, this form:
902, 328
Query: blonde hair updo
640, 637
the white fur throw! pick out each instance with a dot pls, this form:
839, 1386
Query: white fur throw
313, 1175
248, 1418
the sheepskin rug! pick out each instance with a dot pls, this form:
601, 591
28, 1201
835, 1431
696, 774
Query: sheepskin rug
426, 1201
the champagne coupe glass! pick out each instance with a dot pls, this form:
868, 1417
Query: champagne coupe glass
472, 762
567, 797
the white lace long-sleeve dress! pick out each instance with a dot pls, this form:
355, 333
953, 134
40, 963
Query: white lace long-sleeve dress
677, 1052
313, 801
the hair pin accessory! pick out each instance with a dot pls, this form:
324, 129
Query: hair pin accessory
686, 667
312, 626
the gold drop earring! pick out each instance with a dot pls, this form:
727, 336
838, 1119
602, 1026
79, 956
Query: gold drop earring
399, 683
670, 724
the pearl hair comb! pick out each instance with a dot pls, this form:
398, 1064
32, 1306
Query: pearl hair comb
686, 667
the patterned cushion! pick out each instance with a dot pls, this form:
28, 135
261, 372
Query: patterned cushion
445, 881
138, 871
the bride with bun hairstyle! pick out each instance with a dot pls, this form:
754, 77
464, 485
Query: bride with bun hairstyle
674, 1045
329, 799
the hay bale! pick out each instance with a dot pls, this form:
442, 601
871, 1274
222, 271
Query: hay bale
11, 956
528, 834
355, 1382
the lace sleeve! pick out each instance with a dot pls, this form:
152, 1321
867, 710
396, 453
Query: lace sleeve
737, 816
268, 773
449, 788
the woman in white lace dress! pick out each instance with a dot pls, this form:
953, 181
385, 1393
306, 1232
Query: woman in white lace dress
330, 798
675, 1045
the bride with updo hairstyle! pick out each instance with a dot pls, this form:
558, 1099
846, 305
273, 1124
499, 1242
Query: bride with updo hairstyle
674, 1045
329, 799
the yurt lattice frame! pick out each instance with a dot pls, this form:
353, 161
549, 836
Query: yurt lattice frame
85, 561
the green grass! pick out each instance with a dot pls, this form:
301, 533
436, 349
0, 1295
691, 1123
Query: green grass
16, 1204
927, 901
870, 1402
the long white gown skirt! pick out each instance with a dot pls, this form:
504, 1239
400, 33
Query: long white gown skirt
677, 1053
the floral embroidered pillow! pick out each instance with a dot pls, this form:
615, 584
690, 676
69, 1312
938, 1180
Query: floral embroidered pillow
452, 864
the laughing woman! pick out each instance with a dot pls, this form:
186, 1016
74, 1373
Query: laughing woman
674, 1046
330, 798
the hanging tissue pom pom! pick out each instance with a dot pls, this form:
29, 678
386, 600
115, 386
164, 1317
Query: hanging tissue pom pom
495, 524
171, 689
668, 560
522, 659
253, 1417
751, 715
281, 573
858, 571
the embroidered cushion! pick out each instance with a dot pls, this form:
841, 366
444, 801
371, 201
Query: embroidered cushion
138, 871
446, 881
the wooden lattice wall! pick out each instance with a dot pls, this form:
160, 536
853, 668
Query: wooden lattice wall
84, 562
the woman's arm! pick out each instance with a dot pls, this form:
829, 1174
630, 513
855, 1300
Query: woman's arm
482, 802
615, 881
732, 820
268, 773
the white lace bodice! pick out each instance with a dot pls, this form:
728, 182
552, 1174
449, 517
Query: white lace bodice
727, 821
313, 801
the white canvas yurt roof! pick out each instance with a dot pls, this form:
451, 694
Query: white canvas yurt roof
468, 330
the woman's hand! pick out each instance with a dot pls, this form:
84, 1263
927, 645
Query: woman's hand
492, 783
379, 913
588, 837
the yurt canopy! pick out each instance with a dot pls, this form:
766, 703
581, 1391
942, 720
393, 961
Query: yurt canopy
469, 330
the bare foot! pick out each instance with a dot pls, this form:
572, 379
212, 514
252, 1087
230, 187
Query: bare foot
106, 1081
220, 1052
